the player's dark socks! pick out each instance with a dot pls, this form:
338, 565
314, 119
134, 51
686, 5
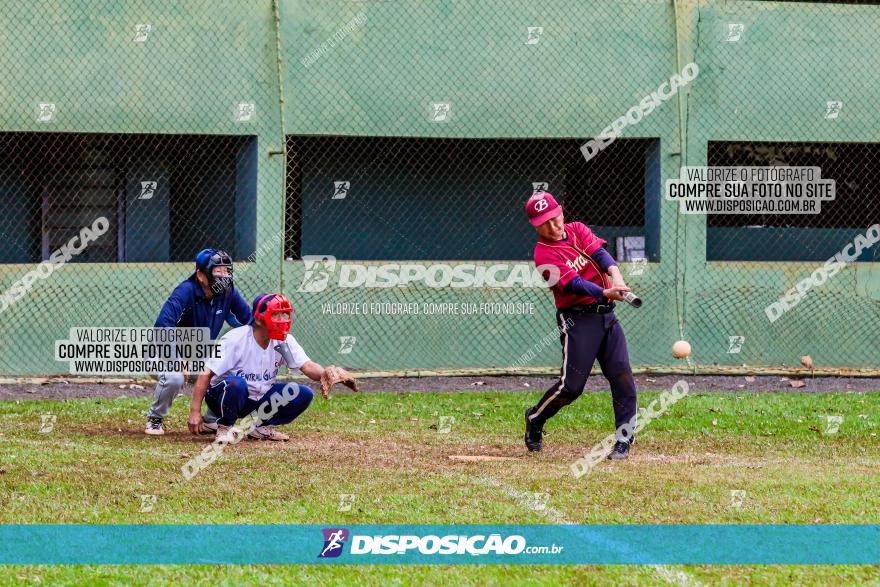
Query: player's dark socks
534, 433
620, 452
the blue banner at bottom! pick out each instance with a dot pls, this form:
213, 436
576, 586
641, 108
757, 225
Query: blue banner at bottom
440, 544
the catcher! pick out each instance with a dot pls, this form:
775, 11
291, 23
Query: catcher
242, 379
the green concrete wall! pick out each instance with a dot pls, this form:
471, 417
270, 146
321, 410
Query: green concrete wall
597, 60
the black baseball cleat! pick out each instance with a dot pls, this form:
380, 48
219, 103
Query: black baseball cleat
620, 452
534, 434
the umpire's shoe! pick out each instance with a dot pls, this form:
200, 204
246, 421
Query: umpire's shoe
620, 452
155, 426
534, 434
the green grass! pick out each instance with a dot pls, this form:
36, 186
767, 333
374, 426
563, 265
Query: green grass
386, 449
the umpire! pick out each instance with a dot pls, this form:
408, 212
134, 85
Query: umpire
585, 317
206, 299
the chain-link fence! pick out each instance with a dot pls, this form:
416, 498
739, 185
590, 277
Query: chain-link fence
372, 160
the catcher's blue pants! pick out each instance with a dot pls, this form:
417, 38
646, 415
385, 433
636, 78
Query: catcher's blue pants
586, 338
229, 400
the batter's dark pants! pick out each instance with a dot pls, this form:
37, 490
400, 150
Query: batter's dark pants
585, 338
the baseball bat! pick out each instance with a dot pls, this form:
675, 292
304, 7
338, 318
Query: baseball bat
632, 299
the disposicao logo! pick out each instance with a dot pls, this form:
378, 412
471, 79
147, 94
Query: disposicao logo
334, 540
432, 544
444, 545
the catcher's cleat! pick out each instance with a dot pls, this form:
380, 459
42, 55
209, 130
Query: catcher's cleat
155, 427
209, 427
267, 433
620, 452
228, 434
534, 434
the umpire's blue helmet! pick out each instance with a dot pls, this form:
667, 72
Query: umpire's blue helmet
207, 260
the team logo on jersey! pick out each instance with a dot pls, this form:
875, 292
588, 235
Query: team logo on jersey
334, 540
578, 263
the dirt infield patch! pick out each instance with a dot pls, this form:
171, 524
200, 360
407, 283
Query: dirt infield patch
480, 458
700, 383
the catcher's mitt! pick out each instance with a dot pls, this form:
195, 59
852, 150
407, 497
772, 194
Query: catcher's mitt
333, 375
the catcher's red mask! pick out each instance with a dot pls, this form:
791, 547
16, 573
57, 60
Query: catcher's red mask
265, 308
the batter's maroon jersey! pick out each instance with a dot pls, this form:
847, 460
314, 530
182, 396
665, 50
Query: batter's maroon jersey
572, 255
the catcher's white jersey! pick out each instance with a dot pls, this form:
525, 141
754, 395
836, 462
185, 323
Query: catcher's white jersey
241, 356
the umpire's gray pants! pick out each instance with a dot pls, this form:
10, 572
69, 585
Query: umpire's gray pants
167, 389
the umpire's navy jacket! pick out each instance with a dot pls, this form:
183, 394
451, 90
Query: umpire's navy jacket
187, 306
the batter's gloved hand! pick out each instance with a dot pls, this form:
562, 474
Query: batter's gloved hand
333, 375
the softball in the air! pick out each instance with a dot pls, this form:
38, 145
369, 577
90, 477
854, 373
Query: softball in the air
681, 349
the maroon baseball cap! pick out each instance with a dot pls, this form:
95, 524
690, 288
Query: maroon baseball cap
542, 207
